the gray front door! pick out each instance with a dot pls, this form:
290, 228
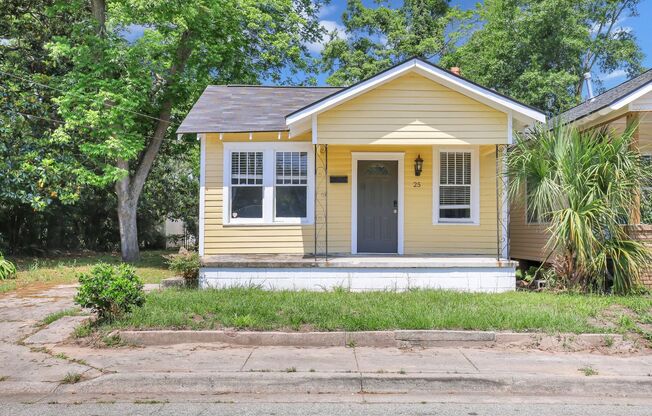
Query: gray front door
377, 206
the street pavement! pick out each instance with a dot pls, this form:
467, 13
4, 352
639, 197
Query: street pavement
203, 379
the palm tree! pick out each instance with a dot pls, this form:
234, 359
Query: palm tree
583, 183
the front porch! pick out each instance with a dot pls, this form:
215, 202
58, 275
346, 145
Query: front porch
359, 272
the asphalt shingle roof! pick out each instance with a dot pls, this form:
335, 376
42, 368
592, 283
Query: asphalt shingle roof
605, 99
237, 108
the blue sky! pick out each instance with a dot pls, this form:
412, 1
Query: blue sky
331, 18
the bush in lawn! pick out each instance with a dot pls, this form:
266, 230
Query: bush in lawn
7, 269
110, 290
186, 263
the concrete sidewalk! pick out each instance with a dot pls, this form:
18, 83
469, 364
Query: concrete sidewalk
40, 372
195, 370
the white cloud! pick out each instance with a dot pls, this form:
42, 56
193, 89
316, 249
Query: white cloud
618, 73
330, 26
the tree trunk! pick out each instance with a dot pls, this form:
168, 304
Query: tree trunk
128, 224
127, 209
128, 231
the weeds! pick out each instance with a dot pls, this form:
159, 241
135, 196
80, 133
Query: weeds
71, 378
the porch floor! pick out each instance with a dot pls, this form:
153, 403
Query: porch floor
266, 261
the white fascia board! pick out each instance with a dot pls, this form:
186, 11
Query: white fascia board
479, 93
631, 97
438, 75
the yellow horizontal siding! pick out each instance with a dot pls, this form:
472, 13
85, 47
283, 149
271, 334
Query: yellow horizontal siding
220, 239
412, 109
420, 235
527, 241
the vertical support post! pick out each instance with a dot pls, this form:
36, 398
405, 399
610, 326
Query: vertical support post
326, 199
314, 226
321, 201
633, 120
497, 209
505, 205
502, 204
202, 192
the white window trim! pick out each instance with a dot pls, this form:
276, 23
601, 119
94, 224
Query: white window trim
269, 150
355, 157
475, 185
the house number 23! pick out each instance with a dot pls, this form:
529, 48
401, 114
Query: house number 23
416, 184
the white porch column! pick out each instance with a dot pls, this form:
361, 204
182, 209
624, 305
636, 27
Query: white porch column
202, 191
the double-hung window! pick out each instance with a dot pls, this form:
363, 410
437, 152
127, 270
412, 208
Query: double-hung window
456, 185
268, 183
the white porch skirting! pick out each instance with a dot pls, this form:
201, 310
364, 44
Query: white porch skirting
471, 279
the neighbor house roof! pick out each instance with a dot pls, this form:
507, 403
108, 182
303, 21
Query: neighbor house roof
248, 108
611, 100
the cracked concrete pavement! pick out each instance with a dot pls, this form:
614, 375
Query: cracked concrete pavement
216, 372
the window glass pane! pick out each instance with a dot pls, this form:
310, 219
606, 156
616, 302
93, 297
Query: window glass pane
291, 201
247, 202
455, 213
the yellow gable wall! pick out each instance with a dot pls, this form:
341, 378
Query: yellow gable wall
420, 235
412, 107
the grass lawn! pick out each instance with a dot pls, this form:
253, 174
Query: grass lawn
63, 269
256, 309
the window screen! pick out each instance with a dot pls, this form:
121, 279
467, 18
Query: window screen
454, 186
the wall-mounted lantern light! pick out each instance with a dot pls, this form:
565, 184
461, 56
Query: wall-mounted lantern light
418, 166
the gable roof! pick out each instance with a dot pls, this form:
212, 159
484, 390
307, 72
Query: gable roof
247, 108
433, 72
610, 100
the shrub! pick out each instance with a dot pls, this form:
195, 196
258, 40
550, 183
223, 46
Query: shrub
110, 290
185, 263
7, 269
584, 183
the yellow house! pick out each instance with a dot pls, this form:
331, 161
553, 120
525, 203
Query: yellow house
629, 102
394, 182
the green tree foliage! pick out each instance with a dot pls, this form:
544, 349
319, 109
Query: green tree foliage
126, 96
36, 168
378, 37
585, 183
538, 51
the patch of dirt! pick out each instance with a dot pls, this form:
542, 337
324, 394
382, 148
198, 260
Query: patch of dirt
610, 317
